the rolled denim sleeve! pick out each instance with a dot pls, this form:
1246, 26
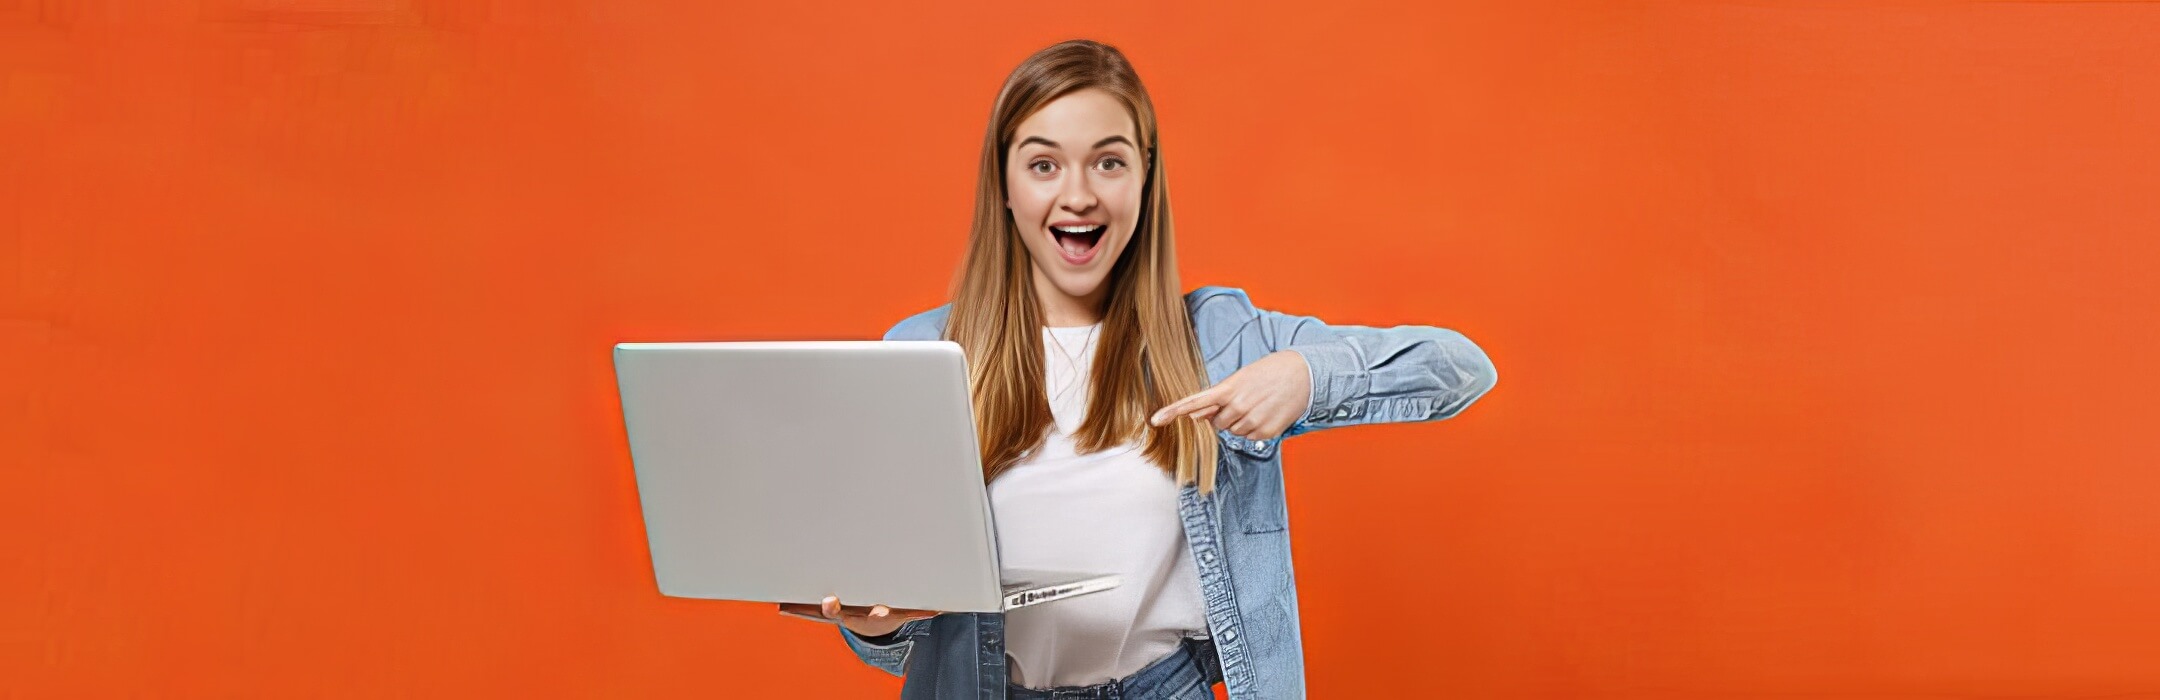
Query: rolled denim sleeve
890, 652
1363, 374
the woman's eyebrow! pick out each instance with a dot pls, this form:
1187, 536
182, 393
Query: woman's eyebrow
1053, 144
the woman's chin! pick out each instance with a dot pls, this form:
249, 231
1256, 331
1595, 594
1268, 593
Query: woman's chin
1079, 286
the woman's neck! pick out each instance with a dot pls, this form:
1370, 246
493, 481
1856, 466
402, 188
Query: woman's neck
1061, 310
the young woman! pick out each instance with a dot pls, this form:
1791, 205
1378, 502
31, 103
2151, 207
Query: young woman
1127, 427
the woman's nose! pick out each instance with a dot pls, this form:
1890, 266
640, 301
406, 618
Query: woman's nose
1078, 196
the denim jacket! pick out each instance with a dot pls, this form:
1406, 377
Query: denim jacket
1239, 534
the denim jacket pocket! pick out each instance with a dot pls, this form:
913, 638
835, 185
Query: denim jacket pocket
1255, 484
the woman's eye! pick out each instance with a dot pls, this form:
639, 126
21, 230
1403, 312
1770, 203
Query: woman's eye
1041, 167
1112, 163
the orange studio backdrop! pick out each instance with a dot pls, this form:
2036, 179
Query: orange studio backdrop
1825, 329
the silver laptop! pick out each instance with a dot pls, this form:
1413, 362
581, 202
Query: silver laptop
788, 471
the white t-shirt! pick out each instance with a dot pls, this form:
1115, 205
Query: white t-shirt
1109, 512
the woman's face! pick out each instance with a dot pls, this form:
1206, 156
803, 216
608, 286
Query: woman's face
1073, 183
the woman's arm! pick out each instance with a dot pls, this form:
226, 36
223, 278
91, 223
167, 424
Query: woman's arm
1363, 374
1310, 375
889, 652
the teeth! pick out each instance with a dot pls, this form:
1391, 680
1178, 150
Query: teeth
1075, 229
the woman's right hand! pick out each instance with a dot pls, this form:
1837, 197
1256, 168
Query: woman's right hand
873, 621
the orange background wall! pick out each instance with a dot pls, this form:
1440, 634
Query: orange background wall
1825, 332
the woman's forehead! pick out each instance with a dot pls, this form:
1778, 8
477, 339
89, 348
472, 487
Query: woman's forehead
1078, 120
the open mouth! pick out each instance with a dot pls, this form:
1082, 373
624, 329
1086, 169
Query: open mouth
1077, 242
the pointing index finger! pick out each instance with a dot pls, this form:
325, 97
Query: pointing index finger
1182, 406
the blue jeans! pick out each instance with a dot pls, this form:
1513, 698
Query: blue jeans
1189, 673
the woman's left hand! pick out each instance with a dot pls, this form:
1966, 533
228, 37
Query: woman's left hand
1257, 402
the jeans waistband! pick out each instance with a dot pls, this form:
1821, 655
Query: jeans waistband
1193, 654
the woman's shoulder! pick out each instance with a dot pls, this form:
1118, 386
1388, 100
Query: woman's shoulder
1222, 318
1218, 311
928, 325
1216, 297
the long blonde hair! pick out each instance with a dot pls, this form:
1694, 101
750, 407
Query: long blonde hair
1148, 355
